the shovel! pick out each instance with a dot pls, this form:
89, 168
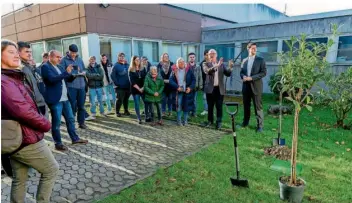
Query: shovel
235, 181
279, 141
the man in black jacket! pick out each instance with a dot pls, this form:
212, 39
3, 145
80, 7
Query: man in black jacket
205, 104
252, 72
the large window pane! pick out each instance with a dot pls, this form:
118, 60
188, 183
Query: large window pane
120, 45
227, 51
266, 50
105, 47
67, 42
54, 45
38, 50
191, 48
345, 49
148, 49
321, 40
174, 51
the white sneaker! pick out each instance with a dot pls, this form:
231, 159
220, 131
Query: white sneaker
90, 118
109, 112
204, 113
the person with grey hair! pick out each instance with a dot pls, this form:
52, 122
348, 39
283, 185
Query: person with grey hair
214, 86
95, 76
183, 81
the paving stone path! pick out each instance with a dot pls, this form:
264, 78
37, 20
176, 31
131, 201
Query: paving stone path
120, 152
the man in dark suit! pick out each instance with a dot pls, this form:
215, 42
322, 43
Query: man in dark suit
252, 72
214, 86
57, 98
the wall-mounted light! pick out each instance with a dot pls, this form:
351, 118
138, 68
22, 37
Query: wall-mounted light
104, 5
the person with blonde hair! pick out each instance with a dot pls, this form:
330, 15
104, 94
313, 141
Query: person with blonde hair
164, 68
153, 88
137, 73
18, 106
183, 81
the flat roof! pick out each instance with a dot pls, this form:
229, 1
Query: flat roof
283, 20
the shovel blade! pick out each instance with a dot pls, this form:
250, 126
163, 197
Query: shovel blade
275, 141
239, 182
282, 142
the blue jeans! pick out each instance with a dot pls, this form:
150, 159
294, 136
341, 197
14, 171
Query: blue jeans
194, 109
93, 93
56, 110
166, 99
109, 89
136, 99
77, 99
180, 96
205, 103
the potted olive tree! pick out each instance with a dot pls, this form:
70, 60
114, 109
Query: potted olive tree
301, 68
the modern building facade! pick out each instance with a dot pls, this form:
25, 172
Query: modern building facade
135, 29
270, 37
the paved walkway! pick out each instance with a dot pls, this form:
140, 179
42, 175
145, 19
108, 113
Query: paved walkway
120, 152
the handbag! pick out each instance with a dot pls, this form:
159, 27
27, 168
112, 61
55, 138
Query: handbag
11, 136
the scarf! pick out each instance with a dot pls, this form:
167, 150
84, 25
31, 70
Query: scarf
166, 67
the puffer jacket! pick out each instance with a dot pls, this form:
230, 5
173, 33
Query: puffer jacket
151, 86
18, 104
95, 76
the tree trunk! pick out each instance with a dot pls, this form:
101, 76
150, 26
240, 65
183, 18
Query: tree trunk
339, 123
294, 149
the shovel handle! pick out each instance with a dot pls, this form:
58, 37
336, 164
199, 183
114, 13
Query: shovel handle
230, 104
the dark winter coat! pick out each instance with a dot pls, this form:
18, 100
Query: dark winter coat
165, 76
120, 75
151, 86
188, 99
137, 78
95, 76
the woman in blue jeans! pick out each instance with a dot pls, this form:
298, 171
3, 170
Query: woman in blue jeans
137, 75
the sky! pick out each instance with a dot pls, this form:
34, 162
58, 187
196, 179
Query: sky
302, 8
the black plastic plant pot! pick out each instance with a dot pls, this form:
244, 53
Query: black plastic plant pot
293, 194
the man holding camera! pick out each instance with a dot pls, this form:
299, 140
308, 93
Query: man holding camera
76, 88
56, 96
214, 86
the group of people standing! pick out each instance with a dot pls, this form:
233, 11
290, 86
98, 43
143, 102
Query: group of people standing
61, 84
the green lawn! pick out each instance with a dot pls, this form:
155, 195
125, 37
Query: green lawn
204, 176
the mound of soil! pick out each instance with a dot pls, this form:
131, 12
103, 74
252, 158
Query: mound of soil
279, 152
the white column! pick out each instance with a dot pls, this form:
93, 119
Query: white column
93, 48
280, 42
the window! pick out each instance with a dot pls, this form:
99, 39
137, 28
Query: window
174, 51
344, 53
105, 47
67, 42
38, 50
54, 45
120, 45
321, 40
266, 50
191, 48
227, 51
148, 49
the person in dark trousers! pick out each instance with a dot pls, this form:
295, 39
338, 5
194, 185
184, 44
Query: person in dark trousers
56, 96
108, 83
45, 58
76, 88
123, 87
197, 72
252, 72
153, 88
164, 68
183, 81
32, 75
137, 75
205, 104
95, 76
214, 86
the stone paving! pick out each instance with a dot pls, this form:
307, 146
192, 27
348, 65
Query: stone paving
120, 152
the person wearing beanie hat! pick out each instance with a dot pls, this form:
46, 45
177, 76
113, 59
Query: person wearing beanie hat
76, 88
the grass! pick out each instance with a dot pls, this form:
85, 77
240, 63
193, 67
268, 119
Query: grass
204, 176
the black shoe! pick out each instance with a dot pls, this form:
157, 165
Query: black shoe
148, 120
61, 148
83, 126
241, 126
259, 130
118, 115
139, 121
218, 126
126, 113
207, 124
80, 141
